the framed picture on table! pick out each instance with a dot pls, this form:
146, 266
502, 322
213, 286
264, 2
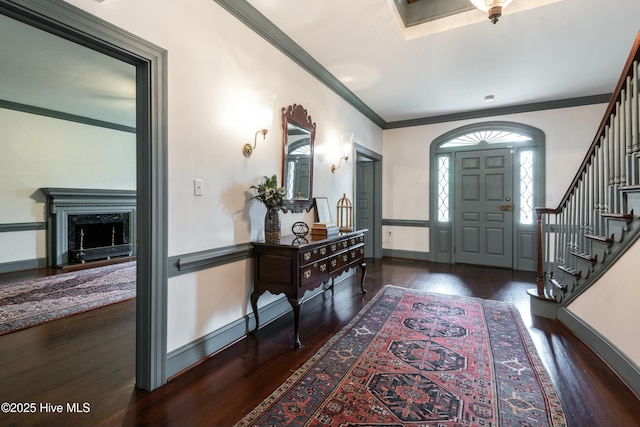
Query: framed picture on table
323, 214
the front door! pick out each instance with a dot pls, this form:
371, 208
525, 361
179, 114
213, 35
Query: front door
484, 207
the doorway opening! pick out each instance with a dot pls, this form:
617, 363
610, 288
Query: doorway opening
368, 203
64, 20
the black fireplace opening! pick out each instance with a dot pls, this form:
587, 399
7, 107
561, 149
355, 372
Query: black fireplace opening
98, 236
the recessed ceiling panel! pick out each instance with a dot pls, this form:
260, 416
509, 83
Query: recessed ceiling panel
416, 12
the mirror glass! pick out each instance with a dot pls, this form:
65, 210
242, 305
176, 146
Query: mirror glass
299, 133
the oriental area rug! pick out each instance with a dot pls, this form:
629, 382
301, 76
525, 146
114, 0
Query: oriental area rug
413, 358
33, 302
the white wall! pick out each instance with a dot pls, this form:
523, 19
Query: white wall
610, 306
213, 62
568, 131
38, 152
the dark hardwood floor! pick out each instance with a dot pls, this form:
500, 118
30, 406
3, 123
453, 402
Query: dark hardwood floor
90, 358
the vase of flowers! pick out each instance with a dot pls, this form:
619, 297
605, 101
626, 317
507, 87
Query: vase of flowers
272, 197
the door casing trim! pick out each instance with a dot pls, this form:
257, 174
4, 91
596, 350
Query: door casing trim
441, 234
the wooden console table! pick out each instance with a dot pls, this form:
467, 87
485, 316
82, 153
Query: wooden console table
293, 266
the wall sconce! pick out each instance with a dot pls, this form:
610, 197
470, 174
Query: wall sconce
263, 117
346, 140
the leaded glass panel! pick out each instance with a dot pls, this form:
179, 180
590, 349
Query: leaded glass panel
526, 187
443, 189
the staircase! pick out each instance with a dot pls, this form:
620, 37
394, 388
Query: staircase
598, 217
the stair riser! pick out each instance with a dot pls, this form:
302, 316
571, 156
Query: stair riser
632, 201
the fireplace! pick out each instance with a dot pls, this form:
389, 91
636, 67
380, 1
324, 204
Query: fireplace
89, 225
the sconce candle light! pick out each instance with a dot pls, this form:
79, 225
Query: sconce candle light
346, 140
263, 116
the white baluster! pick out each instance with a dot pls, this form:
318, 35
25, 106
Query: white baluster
628, 142
636, 98
635, 138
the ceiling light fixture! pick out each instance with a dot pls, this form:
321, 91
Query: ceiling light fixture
493, 7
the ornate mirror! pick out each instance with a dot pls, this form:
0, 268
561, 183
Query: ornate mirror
298, 135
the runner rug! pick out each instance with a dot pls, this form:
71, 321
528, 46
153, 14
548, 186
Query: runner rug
32, 302
412, 358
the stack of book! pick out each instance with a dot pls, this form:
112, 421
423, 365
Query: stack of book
322, 230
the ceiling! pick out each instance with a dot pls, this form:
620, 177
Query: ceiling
48, 72
439, 69
565, 49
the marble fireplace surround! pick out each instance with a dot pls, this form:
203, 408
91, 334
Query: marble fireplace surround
72, 210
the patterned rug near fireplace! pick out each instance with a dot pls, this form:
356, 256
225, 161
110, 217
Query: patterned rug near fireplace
32, 302
412, 358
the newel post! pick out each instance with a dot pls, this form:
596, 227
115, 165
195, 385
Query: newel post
540, 272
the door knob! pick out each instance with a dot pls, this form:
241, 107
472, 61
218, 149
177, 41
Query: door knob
506, 207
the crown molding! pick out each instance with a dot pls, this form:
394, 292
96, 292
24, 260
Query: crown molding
501, 111
256, 21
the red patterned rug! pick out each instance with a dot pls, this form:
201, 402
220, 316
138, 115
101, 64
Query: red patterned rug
32, 302
412, 358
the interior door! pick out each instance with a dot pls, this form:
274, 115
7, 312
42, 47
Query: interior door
365, 192
484, 207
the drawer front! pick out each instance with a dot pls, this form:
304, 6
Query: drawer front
356, 254
313, 255
338, 246
356, 240
314, 271
346, 258
339, 261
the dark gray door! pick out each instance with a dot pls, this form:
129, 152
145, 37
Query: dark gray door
365, 193
301, 176
484, 208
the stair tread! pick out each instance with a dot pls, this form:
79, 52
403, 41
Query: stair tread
597, 238
570, 271
612, 215
629, 188
558, 285
587, 257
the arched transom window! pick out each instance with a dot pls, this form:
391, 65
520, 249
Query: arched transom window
487, 137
